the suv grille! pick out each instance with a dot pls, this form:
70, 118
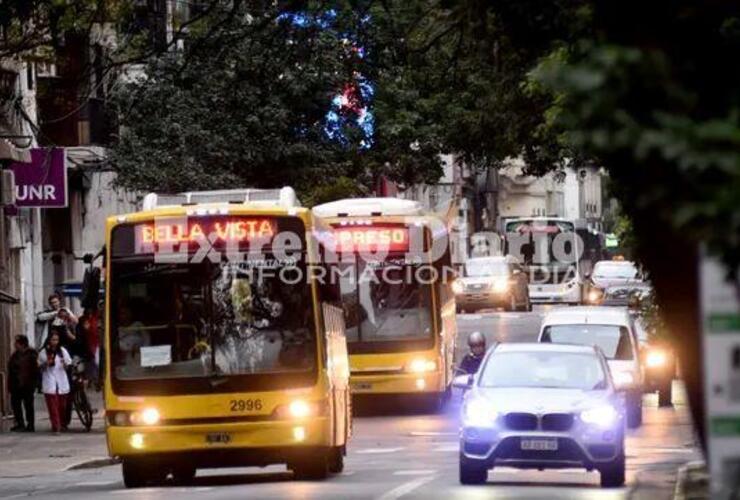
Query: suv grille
521, 421
558, 422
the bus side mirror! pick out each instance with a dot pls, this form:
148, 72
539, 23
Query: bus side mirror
462, 382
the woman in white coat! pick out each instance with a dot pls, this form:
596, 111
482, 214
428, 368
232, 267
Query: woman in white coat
53, 360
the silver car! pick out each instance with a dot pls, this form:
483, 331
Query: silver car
540, 406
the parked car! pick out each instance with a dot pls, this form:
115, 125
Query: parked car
613, 330
492, 282
563, 410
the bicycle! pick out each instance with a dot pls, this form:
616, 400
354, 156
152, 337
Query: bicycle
78, 395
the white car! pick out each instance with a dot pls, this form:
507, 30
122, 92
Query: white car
561, 411
613, 330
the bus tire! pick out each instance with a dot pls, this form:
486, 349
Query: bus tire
336, 460
312, 468
137, 474
183, 474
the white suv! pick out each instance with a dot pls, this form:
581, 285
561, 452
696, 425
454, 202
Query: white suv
613, 330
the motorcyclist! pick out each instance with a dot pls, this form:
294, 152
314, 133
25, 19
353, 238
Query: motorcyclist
471, 361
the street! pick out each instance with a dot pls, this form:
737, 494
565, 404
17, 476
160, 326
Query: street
394, 453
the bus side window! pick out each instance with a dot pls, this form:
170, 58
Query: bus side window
446, 275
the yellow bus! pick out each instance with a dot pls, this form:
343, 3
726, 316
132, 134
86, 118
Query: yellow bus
395, 278
222, 348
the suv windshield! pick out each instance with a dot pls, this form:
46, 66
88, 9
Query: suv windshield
558, 370
175, 321
614, 340
481, 268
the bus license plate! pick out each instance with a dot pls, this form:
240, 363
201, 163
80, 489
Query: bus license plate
362, 386
218, 438
539, 444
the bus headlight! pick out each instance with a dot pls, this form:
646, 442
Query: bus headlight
147, 416
656, 358
457, 287
421, 365
300, 409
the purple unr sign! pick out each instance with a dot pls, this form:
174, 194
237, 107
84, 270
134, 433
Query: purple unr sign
43, 182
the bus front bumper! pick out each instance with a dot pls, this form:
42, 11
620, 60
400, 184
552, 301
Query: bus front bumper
397, 383
243, 438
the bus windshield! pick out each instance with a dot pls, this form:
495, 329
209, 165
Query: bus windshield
388, 305
549, 249
204, 320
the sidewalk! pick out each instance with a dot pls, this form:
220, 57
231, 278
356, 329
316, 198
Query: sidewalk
666, 444
41, 452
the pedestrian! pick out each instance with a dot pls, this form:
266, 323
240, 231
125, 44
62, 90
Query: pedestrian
87, 332
23, 374
53, 361
57, 317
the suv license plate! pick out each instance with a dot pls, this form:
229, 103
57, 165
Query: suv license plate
218, 438
539, 444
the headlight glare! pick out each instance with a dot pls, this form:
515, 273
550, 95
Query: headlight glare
457, 287
603, 416
595, 295
656, 358
500, 285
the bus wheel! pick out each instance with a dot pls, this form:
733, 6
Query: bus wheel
183, 474
336, 459
314, 468
137, 474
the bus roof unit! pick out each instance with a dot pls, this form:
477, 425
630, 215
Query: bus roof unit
281, 197
368, 207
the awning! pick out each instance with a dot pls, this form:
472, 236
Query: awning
7, 298
73, 289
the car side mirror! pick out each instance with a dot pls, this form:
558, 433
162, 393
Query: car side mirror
462, 382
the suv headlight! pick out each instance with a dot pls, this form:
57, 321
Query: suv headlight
500, 286
603, 416
479, 413
457, 287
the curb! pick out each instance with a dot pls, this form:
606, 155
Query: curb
683, 480
94, 463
